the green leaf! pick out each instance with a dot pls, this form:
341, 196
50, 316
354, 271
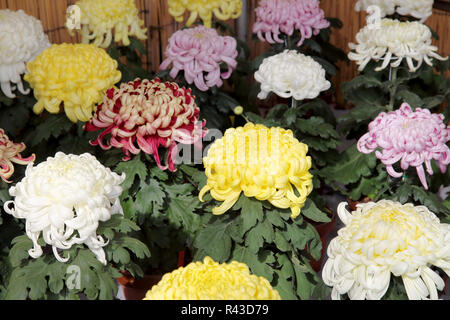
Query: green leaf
150, 196
429, 200
181, 213
214, 239
136, 43
253, 260
285, 288
304, 286
410, 97
120, 255
317, 127
156, 172
134, 167
287, 269
54, 126
19, 250
311, 211
296, 235
251, 213
196, 175
352, 166
139, 249
403, 193
281, 242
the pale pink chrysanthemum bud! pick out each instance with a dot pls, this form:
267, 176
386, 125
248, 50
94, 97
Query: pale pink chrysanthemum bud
411, 137
275, 17
199, 52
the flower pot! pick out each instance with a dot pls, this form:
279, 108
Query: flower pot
352, 204
135, 289
324, 230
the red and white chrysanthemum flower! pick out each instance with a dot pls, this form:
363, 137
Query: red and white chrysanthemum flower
143, 115
9, 153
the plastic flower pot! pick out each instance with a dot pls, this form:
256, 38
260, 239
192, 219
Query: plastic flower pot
135, 289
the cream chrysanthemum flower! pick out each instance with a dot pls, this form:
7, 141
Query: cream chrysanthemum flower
393, 42
385, 237
209, 280
291, 74
65, 198
205, 9
265, 163
419, 9
21, 40
99, 18
76, 74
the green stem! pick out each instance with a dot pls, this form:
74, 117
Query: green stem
294, 103
393, 89
287, 42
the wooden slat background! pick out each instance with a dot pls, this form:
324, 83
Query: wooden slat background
161, 25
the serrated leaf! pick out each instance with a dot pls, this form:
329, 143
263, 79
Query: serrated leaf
317, 127
19, 250
54, 126
215, 240
410, 97
139, 249
181, 213
258, 267
149, 196
120, 255
251, 213
311, 211
287, 269
134, 167
159, 174
196, 175
403, 193
304, 287
352, 166
296, 235
285, 288
281, 242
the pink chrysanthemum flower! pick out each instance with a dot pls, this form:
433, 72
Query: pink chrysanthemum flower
9, 153
146, 114
199, 52
413, 138
285, 16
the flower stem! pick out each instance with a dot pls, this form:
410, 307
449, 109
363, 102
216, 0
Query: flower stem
287, 42
393, 89
294, 103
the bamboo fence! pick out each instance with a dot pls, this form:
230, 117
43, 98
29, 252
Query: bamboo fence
161, 25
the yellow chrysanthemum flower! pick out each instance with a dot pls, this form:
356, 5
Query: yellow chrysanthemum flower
264, 163
209, 280
100, 17
222, 9
76, 74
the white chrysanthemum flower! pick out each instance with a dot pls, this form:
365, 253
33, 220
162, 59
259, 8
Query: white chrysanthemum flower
385, 237
65, 197
419, 9
21, 40
291, 74
393, 42
387, 7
